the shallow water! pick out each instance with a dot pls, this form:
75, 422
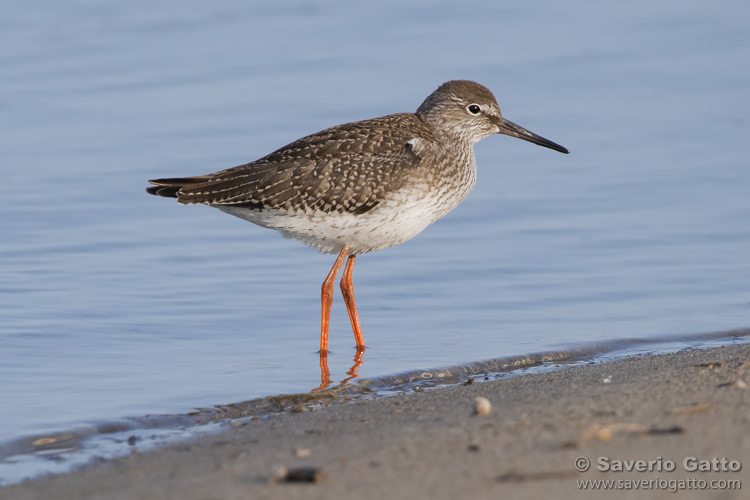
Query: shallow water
56, 453
114, 303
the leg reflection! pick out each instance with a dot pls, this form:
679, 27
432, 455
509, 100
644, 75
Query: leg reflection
357, 363
325, 374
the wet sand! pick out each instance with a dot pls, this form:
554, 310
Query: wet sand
673, 412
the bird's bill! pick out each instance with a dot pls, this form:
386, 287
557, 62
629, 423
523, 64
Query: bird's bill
507, 127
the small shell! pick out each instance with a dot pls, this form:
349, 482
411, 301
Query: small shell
482, 406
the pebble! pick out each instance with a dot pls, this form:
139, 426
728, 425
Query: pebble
298, 475
482, 406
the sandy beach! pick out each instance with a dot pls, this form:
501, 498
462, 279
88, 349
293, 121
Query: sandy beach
677, 422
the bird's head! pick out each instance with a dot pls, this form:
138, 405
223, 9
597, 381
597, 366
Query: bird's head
468, 112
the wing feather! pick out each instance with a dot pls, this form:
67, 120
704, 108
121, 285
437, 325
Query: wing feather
348, 168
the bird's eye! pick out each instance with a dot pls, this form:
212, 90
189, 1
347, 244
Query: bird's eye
474, 109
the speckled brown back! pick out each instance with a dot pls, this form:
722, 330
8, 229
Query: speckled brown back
347, 168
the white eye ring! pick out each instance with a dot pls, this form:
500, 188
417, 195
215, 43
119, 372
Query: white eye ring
473, 109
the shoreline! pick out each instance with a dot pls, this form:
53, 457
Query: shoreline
657, 409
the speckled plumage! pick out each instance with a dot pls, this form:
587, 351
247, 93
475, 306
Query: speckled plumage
367, 185
362, 186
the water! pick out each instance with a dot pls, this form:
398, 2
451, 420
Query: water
115, 304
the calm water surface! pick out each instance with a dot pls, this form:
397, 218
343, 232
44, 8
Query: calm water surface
114, 303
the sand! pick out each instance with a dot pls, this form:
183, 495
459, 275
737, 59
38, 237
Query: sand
688, 410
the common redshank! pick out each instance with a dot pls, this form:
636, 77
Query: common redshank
362, 186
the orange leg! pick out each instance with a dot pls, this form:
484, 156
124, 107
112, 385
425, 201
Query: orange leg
326, 297
347, 289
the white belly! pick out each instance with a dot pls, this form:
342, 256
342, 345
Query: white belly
395, 220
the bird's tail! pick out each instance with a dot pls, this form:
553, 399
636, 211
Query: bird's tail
170, 188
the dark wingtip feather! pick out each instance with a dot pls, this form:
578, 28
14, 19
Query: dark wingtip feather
166, 192
169, 188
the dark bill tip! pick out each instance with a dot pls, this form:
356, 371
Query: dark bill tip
507, 127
